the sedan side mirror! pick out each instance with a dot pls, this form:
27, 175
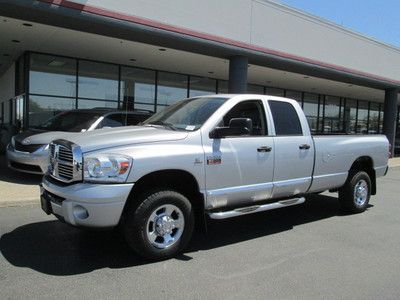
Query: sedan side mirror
237, 127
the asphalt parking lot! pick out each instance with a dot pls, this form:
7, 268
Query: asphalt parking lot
303, 252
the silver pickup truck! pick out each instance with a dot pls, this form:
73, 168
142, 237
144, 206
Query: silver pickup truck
219, 156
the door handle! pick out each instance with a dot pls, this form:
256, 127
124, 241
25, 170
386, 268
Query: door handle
304, 147
264, 149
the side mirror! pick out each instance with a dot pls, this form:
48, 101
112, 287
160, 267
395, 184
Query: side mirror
237, 127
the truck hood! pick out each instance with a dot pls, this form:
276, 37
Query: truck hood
123, 136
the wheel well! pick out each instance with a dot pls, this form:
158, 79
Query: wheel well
365, 164
178, 180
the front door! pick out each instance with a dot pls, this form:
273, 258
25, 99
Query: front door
239, 169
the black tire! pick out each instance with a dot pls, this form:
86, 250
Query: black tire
135, 227
350, 201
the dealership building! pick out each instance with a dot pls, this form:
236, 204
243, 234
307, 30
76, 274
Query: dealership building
58, 55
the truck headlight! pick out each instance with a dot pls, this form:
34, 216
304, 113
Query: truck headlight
106, 167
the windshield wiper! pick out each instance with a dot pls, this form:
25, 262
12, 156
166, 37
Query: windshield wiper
165, 124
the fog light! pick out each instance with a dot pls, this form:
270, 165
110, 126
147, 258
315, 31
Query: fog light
80, 212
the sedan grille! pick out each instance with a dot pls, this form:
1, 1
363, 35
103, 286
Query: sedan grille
65, 161
27, 148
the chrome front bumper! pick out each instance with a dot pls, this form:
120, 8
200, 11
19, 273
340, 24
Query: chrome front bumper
36, 160
86, 204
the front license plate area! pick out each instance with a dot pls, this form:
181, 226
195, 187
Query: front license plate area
45, 203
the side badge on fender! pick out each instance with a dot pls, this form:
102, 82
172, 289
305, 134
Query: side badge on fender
214, 160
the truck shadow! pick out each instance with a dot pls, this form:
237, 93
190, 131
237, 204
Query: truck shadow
57, 249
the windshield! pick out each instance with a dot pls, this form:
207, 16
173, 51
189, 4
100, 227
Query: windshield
72, 121
189, 114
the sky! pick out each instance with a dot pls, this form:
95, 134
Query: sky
379, 19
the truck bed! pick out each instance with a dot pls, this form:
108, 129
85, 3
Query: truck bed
335, 153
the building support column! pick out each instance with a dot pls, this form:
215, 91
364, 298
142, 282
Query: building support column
238, 74
390, 115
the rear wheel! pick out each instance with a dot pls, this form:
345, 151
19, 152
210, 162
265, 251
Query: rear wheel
161, 226
354, 195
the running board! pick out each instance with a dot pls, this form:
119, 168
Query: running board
255, 208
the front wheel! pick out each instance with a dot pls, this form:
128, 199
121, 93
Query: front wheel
161, 226
354, 195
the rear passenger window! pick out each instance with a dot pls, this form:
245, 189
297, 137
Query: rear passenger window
114, 120
285, 118
134, 119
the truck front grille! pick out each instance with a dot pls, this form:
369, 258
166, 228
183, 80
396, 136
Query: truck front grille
65, 161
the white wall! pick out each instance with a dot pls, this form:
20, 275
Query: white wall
269, 25
7, 90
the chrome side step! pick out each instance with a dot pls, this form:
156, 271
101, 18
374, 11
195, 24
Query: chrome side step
255, 208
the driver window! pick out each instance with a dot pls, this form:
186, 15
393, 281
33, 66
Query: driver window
253, 110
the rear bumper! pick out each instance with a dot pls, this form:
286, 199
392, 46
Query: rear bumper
88, 205
33, 163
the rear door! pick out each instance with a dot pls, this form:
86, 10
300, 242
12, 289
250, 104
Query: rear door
294, 149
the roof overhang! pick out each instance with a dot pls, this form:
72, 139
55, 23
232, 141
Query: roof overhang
73, 16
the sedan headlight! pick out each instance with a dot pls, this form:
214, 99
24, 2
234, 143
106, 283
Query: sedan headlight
106, 167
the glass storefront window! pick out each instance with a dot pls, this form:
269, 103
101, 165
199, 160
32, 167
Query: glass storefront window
381, 116
138, 88
223, 86
350, 116
171, 88
161, 107
255, 89
332, 118
274, 91
311, 109
87, 104
42, 108
53, 85
362, 117
52, 75
149, 107
97, 80
373, 124
295, 95
200, 86
398, 122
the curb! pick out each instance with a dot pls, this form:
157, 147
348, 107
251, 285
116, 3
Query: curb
19, 203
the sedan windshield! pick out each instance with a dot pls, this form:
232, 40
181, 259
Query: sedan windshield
72, 121
189, 114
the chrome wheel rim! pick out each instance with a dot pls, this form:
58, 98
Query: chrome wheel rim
361, 192
165, 226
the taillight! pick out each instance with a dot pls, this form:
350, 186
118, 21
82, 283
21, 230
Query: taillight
390, 151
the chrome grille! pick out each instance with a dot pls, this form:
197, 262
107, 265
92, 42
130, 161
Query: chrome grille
52, 147
65, 161
65, 154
